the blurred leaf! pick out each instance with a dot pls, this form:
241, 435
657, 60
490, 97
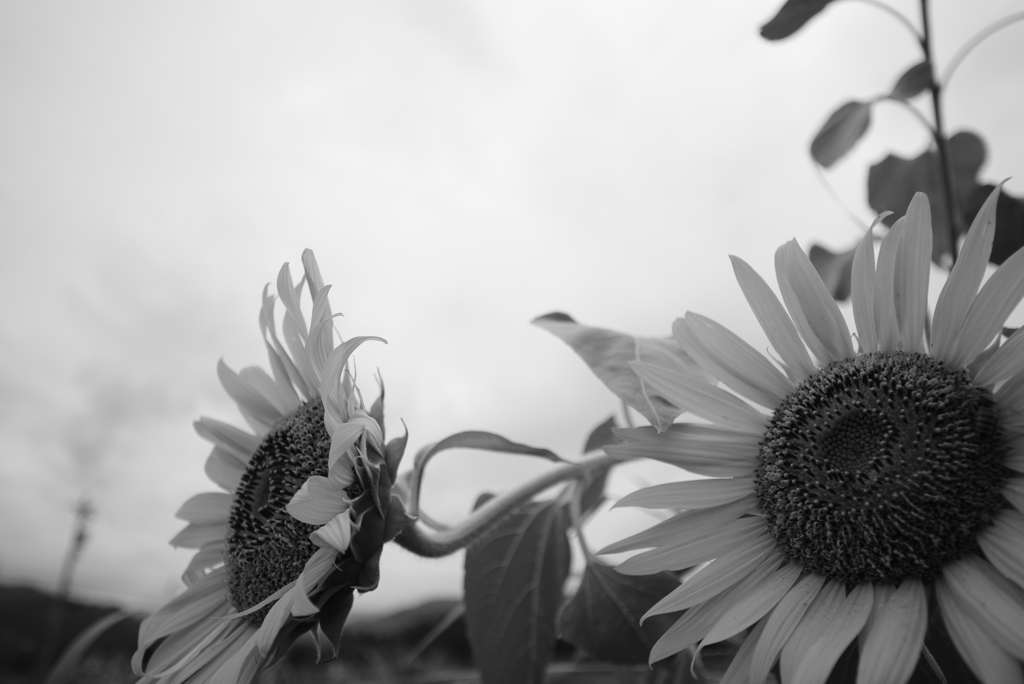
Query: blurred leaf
609, 353
913, 82
1009, 235
602, 436
513, 588
893, 181
841, 132
603, 618
835, 270
791, 18
593, 484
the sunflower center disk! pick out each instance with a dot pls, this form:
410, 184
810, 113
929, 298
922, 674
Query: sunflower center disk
881, 467
266, 547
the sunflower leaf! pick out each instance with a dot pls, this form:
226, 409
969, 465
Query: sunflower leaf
836, 270
1009, 235
603, 617
513, 589
791, 18
913, 82
609, 354
841, 132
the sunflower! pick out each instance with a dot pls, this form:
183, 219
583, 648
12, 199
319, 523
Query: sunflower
851, 493
306, 508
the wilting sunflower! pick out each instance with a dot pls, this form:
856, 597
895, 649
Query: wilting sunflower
306, 508
848, 488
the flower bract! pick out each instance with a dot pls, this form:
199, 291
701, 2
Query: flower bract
857, 485
305, 508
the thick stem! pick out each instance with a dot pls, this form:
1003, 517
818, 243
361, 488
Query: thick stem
945, 160
435, 544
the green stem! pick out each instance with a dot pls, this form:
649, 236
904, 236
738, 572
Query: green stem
949, 185
420, 540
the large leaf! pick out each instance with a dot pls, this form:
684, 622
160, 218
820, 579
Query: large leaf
893, 181
841, 132
791, 18
609, 353
603, 618
913, 82
513, 589
592, 494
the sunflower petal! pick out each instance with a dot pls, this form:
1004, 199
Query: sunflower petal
838, 633
224, 469
895, 636
817, 618
701, 449
887, 326
208, 557
237, 442
738, 365
701, 398
690, 549
739, 668
251, 403
336, 534
782, 623
194, 604
913, 267
690, 522
776, 323
863, 291
195, 536
718, 576
988, 312
991, 600
1001, 544
206, 508
813, 309
689, 495
755, 605
987, 660
962, 285
1006, 362
317, 501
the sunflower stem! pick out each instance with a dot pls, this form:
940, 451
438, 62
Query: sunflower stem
422, 541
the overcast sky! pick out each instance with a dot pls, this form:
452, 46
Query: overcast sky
459, 168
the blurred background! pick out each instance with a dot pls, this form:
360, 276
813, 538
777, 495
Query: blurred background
459, 168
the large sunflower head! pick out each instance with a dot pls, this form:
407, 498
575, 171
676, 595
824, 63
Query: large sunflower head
855, 482
306, 507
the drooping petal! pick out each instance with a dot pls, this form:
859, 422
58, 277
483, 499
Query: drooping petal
718, 576
193, 605
289, 295
838, 633
690, 549
701, 449
962, 285
264, 385
209, 556
782, 623
336, 534
913, 266
758, 602
812, 307
986, 659
690, 494
224, 469
895, 636
206, 508
317, 568
690, 522
742, 368
776, 323
990, 599
239, 443
701, 398
195, 536
862, 290
253, 406
1001, 542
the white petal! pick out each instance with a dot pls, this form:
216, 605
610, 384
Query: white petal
1007, 361
913, 265
208, 557
894, 637
739, 668
336, 534
196, 536
688, 523
997, 299
781, 624
758, 602
838, 632
1003, 544
774, 320
988, 661
264, 385
814, 621
690, 548
700, 398
206, 508
250, 402
991, 600
318, 567
689, 495
965, 278
289, 295
239, 443
701, 449
887, 328
718, 576
224, 469
813, 309
196, 603
317, 501
863, 291
741, 367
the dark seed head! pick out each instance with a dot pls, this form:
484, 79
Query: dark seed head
266, 547
881, 467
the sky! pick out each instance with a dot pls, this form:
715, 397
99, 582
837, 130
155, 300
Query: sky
459, 168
